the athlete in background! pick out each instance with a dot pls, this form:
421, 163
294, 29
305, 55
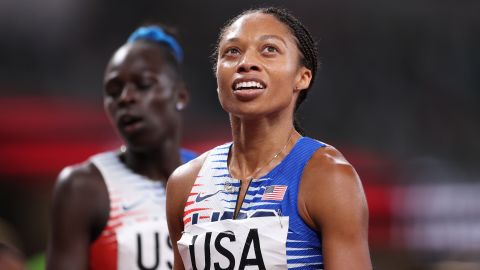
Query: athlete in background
109, 212
272, 199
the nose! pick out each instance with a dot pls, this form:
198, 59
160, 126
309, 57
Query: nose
128, 94
248, 62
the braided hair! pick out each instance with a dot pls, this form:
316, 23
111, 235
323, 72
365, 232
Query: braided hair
303, 38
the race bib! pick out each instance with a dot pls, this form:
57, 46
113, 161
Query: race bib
252, 243
145, 245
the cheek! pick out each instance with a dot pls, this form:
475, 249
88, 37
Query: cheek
109, 107
223, 83
161, 106
287, 69
287, 77
224, 75
226, 65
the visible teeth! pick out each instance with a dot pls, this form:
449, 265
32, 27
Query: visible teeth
249, 84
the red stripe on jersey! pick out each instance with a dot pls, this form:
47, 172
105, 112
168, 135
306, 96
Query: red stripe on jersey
127, 214
103, 254
193, 211
189, 203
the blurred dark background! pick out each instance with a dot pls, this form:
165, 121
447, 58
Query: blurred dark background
398, 92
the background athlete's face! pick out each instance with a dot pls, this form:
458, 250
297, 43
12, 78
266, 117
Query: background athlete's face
140, 94
258, 67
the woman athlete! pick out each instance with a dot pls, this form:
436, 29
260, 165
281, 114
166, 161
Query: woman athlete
109, 212
271, 199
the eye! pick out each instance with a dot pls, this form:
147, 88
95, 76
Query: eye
113, 88
232, 51
270, 49
145, 83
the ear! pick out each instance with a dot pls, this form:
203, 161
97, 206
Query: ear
303, 79
182, 98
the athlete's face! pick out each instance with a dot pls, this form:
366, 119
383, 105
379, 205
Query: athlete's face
258, 67
142, 95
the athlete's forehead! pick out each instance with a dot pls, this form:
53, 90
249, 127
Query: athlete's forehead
120, 55
136, 58
258, 26
129, 52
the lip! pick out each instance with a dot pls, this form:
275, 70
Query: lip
248, 94
129, 123
248, 79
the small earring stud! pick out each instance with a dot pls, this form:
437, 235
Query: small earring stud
179, 106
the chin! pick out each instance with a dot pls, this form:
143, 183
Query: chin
139, 146
248, 114
137, 141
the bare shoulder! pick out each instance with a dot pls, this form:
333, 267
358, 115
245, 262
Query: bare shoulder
178, 187
329, 167
79, 213
332, 201
330, 186
81, 193
184, 176
78, 175
79, 179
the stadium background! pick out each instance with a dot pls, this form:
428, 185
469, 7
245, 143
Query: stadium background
398, 92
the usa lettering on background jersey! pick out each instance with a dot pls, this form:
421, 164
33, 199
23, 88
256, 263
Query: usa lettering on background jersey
136, 235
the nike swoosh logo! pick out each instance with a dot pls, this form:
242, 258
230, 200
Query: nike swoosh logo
200, 198
132, 205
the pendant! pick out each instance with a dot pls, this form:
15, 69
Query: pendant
228, 187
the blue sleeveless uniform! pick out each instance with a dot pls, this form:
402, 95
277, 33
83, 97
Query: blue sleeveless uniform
270, 205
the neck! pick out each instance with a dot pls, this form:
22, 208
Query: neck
156, 163
256, 144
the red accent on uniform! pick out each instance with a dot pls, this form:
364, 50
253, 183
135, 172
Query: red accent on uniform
189, 203
194, 210
113, 227
103, 253
126, 214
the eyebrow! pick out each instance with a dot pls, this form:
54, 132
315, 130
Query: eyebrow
263, 37
110, 77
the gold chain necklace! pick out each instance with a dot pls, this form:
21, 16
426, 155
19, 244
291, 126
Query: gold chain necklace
269, 162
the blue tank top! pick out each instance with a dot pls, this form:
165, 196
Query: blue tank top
213, 199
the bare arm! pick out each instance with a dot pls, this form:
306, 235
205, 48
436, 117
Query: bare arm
79, 212
332, 200
179, 186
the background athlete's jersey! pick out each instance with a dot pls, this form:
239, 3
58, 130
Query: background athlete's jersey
136, 234
271, 199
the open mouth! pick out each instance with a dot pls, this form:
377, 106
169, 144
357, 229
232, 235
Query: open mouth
250, 84
129, 122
